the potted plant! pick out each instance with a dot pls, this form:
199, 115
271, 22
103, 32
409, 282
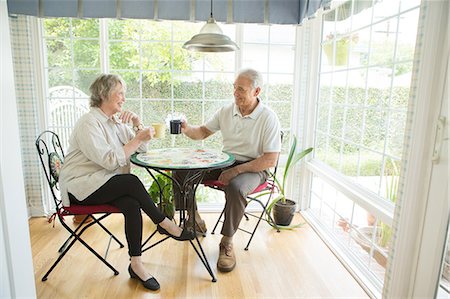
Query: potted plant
161, 193
283, 209
342, 48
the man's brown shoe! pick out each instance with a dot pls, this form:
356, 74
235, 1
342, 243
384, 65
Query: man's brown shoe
227, 259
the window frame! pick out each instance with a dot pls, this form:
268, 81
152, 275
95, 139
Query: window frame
104, 48
380, 207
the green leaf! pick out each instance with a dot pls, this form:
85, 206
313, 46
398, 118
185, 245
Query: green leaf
289, 160
167, 204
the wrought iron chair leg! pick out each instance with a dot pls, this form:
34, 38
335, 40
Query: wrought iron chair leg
254, 230
217, 223
108, 232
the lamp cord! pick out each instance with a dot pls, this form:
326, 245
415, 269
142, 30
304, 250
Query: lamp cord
211, 8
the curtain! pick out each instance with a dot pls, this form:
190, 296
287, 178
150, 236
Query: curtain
25, 68
238, 11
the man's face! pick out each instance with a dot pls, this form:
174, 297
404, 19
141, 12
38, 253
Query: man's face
244, 93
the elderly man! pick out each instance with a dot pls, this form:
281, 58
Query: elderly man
251, 132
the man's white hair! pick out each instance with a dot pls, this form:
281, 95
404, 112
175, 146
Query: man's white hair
254, 76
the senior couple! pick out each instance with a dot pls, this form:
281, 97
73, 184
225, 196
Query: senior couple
96, 168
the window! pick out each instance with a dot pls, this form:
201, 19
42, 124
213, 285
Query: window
161, 77
364, 82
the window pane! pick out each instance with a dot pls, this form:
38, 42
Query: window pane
254, 33
123, 29
58, 27
354, 124
156, 56
359, 48
219, 86
282, 34
383, 42
188, 85
407, 33
281, 58
123, 55
384, 9
191, 109
59, 52
86, 53
375, 129
283, 110
155, 111
184, 31
85, 28
84, 78
395, 138
281, 87
156, 31
59, 77
255, 56
220, 62
157, 85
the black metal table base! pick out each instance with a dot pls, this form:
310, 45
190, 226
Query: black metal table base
188, 186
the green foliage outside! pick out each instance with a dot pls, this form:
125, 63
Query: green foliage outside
365, 131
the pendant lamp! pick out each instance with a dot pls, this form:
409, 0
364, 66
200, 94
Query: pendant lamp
210, 39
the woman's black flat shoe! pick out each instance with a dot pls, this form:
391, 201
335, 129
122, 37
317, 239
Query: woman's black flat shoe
151, 283
185, 234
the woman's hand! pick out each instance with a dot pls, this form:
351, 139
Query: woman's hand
145, 134
130, 117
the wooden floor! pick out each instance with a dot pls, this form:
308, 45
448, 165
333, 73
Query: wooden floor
290, 264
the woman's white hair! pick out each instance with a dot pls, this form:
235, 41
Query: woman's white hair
102, 87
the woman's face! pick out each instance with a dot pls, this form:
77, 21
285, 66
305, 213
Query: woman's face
114, 103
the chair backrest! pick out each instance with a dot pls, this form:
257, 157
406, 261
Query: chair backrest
51, 156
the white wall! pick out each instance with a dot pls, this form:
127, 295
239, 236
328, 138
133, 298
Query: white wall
16, 266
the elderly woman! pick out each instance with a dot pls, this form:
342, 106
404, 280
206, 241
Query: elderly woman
96, 168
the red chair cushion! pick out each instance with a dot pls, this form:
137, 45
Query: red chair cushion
218, 184
75, 209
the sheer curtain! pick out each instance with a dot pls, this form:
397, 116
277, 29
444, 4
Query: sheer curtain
26, 76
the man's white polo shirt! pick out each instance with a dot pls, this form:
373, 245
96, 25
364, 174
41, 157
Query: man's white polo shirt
247, 137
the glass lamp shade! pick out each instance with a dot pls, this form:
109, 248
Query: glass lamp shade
210, 39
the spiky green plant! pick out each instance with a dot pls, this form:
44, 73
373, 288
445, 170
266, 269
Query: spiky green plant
292, 160
391, 194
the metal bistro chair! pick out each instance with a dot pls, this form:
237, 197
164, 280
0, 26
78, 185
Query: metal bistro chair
268, 186
51, 155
